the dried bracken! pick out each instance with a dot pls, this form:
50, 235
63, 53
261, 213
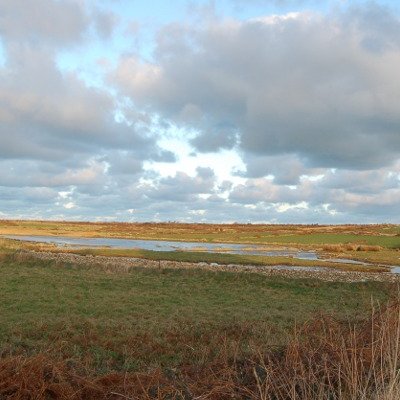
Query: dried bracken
325, 360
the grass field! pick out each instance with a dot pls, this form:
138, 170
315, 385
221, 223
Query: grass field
60, 322
74, 332
42, 303
103, 317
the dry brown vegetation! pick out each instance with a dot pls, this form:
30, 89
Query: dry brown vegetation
339, 248
367, 238
148, 229
326, 359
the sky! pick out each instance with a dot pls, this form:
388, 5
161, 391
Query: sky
250, 111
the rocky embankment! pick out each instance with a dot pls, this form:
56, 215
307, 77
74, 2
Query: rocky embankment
125, 264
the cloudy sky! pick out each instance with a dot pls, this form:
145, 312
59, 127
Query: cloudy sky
209, 111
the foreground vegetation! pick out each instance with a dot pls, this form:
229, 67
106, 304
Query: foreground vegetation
98, 314
80, 333
334, 362
84, 332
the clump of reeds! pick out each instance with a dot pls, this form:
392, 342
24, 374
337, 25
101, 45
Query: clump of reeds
365, 247
351, 246
327, 360
339, 248
335, 248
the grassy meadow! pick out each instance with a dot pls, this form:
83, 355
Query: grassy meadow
138, 318
81, 332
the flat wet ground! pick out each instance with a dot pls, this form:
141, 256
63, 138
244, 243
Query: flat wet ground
163, 245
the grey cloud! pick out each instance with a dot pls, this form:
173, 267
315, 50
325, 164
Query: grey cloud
182, 187
47, 114
122, 162
163, 156
286, 169
361, 182
57, 133
381, 29
27, 173
50, 115
302, 84
225, 186
371, 204
296, 95
264, 190
37, 195
177, 198
42, 21
105, 23
222, 137
368, 195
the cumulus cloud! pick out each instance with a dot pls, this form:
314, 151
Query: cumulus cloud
308, 101
56, 114
303, 84
366, 194
28, 173
58, 133
49, 114
182, 187
43, 22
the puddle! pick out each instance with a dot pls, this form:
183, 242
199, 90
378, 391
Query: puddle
346, 261
300, 268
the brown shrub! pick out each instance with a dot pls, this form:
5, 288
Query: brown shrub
365, 247
351, 246
338, 248
335, 248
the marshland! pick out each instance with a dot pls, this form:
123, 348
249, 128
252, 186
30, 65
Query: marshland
199, 200
100, 322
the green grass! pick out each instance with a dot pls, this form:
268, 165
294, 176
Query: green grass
222, 258
158, 317
328, 238
383, 257
310, 239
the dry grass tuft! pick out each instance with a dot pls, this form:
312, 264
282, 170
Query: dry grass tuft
334, 248
327, 360
364, 247
339, 248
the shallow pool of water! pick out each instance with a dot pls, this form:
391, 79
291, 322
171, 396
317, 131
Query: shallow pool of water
166, 245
